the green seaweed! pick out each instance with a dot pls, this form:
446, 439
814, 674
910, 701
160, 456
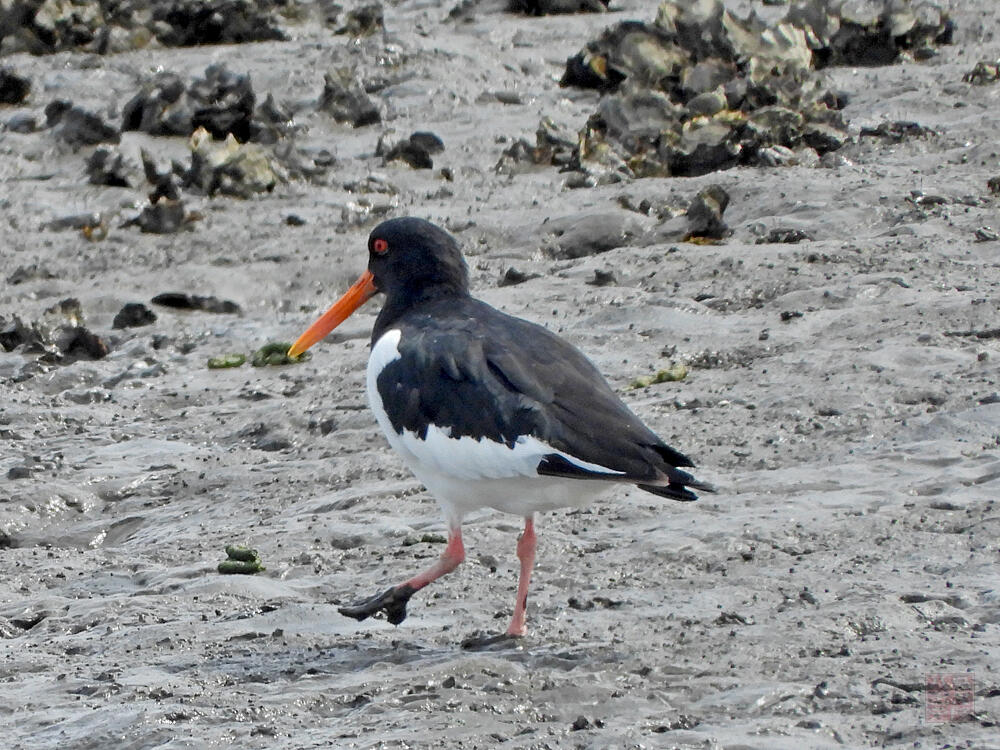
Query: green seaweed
226, 360
242, 561
245, 554
672, 375
240, 567
276, 353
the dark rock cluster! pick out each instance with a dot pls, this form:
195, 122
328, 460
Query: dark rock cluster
873, 32
59, 335
78, 127
345, 98
239, 147
417, 150
104, 26
363, 21
700, 89
222, 102
13, 88
551, 7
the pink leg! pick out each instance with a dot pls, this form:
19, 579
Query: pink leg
526, 554
393, 601
451, 558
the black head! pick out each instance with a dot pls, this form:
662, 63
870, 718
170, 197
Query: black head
413, 260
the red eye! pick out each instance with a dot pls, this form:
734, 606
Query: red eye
380, 246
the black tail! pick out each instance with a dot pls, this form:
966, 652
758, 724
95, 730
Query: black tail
676, 491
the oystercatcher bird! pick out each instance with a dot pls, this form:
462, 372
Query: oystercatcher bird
486, 409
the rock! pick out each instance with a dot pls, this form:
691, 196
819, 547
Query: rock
29, 273
133, 315
705, 146
164, 216
344, 98
78, 127
427, 141
631, 49
415, 150
158, 108
602, 278
75, 222
580, 723
183, 301
985, 72
364, 20
512, 276
166, 182
553, 145
875, 32
223, 103
107, 166
271, 122
579, 235
59, 335
22, 122
824, 138
704, 215
13, 88
184, 23
47, 26
231, 168
896, 131
551, 7
789, 236
701, 89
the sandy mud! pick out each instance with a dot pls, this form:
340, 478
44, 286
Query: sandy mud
841, 390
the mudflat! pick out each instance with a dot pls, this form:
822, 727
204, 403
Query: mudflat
840, 339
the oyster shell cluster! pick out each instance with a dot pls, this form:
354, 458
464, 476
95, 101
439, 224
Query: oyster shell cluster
699, 89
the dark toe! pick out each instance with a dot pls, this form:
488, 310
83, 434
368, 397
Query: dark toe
392, 602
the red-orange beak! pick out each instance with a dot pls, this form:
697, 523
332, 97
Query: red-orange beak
362, 291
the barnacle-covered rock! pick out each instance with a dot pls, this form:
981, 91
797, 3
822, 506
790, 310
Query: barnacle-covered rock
871, 32
222, 102
59, 335
103, 26
983, 73
344, 97
107, 166
240, 170
701, 89
184, 23
704, 215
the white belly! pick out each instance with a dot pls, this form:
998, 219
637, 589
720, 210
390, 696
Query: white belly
465, 474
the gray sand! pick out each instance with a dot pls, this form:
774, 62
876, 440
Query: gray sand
850, 556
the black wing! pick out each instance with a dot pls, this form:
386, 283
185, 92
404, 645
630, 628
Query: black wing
478, 372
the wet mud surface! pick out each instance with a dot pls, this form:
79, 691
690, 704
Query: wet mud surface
838, 331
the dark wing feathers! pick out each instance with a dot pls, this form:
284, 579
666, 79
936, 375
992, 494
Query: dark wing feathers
506, 377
